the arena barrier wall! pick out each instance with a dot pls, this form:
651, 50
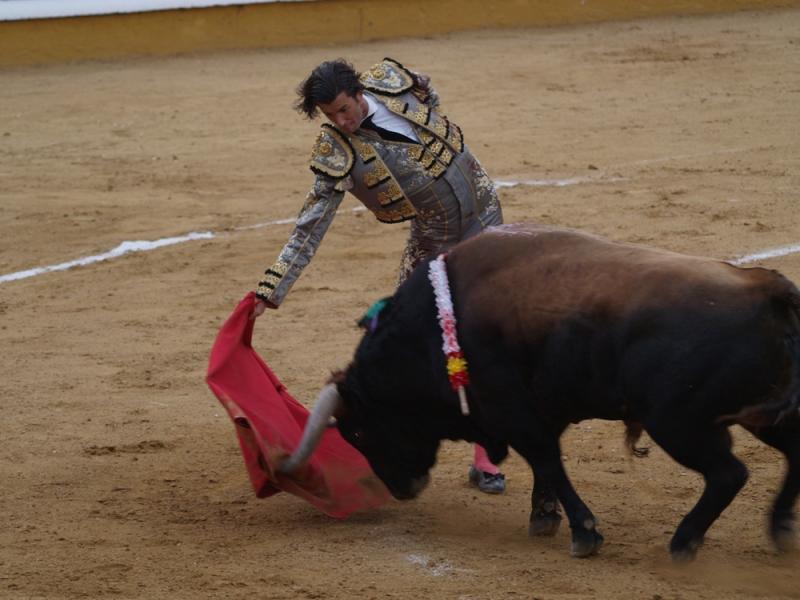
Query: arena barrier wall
39, 41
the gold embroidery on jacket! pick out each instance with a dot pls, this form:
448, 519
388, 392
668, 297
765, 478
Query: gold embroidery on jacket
405, 212
426, 136
421, 115
378, 174
429, 123
391, 194
456, 138
332, 154
437, 170
416, 151
396, 106
440, 141
427, 159
440, 128
365, 152
272, 277
279, 268
387, 77
420, 94
388, 192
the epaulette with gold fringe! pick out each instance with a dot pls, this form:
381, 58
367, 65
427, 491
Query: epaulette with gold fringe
387, 77
332, 154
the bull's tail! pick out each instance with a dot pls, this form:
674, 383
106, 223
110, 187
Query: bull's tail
788, 406
793, 347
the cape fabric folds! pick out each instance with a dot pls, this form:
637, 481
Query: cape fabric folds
269, 424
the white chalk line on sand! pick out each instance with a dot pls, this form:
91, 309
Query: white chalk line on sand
765, 254
128, 247
145, 245
123, 248
139, 246
556, 182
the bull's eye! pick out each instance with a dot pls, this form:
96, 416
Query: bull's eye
358, 436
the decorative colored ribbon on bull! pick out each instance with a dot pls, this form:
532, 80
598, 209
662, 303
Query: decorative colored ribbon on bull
456, 363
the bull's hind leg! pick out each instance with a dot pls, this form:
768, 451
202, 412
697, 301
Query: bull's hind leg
707, 451
785, 438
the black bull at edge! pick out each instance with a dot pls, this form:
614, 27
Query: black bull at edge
559, 326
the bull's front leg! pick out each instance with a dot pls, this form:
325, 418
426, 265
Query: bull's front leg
545, 516
545, 460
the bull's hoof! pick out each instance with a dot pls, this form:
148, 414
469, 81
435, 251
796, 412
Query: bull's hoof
585, 543
684, 556
782, 533
544, 524
683, 553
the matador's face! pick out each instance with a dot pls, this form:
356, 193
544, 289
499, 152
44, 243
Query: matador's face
346, 112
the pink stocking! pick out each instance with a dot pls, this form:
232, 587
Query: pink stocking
482, 462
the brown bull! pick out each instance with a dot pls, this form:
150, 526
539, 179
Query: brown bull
559, 326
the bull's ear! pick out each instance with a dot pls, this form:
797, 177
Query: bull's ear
497, 453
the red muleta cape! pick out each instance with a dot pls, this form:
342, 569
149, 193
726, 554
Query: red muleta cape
269, 424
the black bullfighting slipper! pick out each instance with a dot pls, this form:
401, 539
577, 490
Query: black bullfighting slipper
490, 483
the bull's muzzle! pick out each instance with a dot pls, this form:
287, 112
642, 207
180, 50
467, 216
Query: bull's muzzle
414, 489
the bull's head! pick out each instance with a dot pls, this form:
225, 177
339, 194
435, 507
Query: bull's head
398, 452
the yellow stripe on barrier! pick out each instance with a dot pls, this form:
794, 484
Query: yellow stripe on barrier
158, 33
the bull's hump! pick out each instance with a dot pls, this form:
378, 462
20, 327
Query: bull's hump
521, 229
564, 268
577, 250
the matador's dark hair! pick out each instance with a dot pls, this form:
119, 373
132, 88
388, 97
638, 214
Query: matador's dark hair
326, 81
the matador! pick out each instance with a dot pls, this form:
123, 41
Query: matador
389, 144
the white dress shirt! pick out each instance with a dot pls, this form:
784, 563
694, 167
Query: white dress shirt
383, 117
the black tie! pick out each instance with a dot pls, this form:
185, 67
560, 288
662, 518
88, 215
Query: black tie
385, 133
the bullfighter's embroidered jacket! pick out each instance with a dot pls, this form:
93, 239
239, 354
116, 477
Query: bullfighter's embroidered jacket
436, 182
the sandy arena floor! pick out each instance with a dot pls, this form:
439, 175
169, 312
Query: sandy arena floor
121, 475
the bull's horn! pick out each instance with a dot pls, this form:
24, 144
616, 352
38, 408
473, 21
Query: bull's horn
328, 402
